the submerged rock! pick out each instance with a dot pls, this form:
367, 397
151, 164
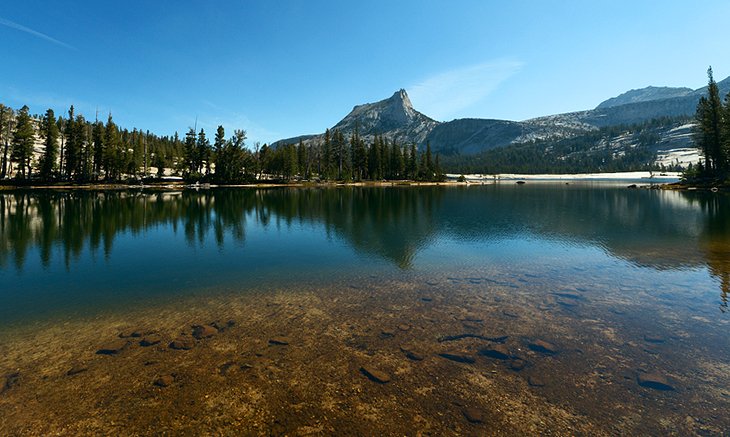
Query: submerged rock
75, 370
535, 381
182, 343
459, 357
655, 381
543, 346
204, 331
471, 326
223, 326
228, 368
374, 374
132, 333
566, 302
497, 351
164, 381
386, 333
150, 340
113, 347
11, 380
517, 364
473, 415
491, 337
279, 341
411, 354
568, 294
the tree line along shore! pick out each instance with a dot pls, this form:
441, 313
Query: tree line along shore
50, 150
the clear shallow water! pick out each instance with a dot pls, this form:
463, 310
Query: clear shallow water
75, 252
625, 283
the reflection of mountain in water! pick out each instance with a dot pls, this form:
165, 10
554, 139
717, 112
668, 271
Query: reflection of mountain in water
646, 227
390, 223
651, 228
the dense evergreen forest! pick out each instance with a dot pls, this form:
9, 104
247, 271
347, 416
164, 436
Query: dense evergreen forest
51, 149
712, 136
590, 152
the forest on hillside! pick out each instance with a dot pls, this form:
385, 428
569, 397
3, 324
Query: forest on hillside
607, 149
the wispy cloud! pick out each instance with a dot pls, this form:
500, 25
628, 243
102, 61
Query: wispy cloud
445, 94
35, 33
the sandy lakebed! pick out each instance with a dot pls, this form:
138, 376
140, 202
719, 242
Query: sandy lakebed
472, 355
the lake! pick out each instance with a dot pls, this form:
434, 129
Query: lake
580, 308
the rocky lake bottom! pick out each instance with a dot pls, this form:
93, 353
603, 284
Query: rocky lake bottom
468, 353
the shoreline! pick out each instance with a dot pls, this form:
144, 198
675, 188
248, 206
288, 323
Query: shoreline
640, 176
613, 176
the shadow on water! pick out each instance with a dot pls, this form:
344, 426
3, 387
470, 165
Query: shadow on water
649, 228
714, 240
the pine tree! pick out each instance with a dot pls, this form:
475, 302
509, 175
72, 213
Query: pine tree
97, 137
23, 139
202, 154
439, 176
398, 163
386, 162
218, 143
231, 158
725, 132
303, 159
265, 160
50, 155
112, 150
413, 162
708, 130
359, 156
6, 119
70, 154
328, 172
61, 124
190, 152
428, 170
82, 147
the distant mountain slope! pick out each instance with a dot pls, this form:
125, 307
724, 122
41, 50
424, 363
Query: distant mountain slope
396, 119
647, 94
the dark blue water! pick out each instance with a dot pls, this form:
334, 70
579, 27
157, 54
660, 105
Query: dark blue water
75, 253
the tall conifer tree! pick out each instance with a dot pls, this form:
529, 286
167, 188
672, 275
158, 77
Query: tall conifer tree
49, 131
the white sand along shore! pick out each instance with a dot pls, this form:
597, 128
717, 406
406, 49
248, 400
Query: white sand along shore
619, 176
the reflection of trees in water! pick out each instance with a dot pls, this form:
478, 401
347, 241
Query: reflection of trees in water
390, 223
715, 239
647, 227
71, 220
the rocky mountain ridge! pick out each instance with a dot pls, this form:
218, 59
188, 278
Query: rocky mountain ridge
396, 119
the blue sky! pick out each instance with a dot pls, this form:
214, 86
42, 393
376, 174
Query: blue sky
284, 68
